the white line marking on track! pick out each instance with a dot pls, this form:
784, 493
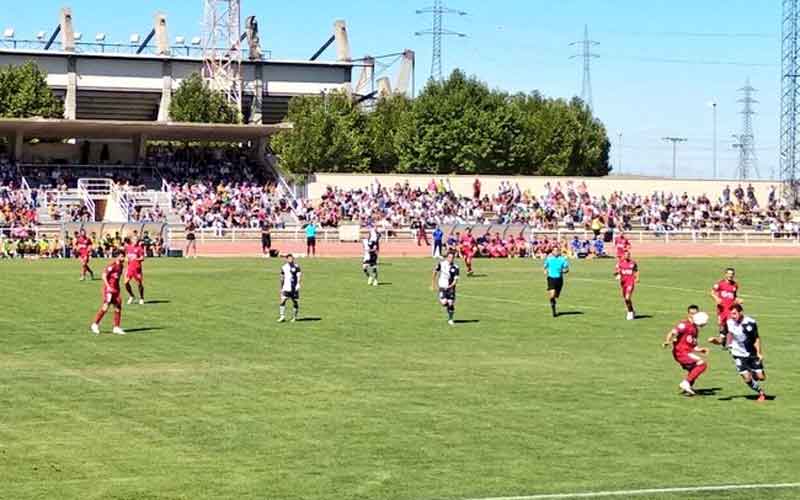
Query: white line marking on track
653, 491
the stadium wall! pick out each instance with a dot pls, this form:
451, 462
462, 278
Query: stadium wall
599, 186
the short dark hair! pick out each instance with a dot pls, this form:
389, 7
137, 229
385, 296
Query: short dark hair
730, 269
737, 307
693, 306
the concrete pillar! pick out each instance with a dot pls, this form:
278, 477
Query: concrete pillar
342, 41
71, 97
257, 106
67, 33
166, 91
16, 141
384, 87
139, 148
162, 35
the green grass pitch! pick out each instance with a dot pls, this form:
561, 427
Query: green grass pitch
377, 397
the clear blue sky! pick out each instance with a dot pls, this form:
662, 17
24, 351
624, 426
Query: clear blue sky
647, 84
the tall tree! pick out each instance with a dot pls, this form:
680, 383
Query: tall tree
382, 125
24, 93
195, 102
327, 135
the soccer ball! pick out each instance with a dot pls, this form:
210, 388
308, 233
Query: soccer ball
700, 319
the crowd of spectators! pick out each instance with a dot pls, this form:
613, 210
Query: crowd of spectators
43, 246
560, 206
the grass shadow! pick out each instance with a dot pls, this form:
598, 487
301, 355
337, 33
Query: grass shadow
710, 391
302, 320
144, 329
466, 321
751, 397
570, 313
643, 316
157, 301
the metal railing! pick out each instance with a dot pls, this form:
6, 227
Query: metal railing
297, 233
26, 189
87, 200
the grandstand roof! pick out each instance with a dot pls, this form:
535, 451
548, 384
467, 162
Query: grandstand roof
110, 129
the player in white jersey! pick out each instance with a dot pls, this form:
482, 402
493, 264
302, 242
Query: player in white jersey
290, 287
370, 262
445, 275
746, 349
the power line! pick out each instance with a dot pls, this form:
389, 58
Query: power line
587, 56
746, 140
674, 141
437, 31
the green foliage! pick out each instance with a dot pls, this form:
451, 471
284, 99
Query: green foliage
458, 126
24, 93
195, 102
327, 136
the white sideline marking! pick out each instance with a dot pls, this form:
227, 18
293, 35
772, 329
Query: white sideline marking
656, 491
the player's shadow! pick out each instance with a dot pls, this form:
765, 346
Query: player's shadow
143, 330
643, 316
751, 397
570, 313
157, 301
478, 275
466, 321
303, 320
385, 283
710, 391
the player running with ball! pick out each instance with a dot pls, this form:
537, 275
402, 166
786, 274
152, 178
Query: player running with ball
445, 274
627, 272
111, 294
683, 339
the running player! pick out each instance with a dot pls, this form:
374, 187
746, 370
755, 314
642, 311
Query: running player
290, 287
683, 339
370, 263
135, 253
746, 349
555, 267
725, 293
627, 272
468, 249
445, 275
83, 248
191, 240
621, 245
111, 294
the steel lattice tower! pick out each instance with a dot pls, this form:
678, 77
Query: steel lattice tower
222, 48
748, 163
587, 55
790, 100
437, 32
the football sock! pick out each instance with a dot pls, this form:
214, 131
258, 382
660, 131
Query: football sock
117, 318
450, 312
366, 272
696, 372
129, 289
296, 309
553, 306
141, 291
99, 316
283, 310
753, 384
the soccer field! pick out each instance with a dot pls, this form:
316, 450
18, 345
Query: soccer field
373, 396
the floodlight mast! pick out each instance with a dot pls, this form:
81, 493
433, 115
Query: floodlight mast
222, 48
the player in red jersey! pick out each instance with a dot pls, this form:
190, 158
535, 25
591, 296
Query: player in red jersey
83, 248
683, 339
135, 254
468, 249
627, 272
111, 294
621, 245
725, 293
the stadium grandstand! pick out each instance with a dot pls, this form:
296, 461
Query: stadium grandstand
115, 161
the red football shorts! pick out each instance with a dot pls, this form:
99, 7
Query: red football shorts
133, 273
112, 297
627, 289
686, 360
